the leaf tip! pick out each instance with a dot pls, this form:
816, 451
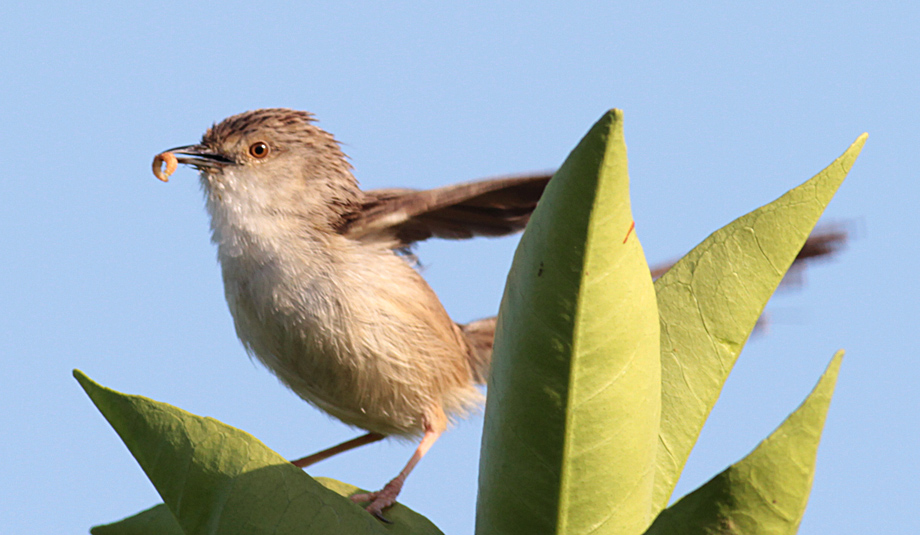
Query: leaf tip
609, 125
93, 389
613, 116
828, 380
857, 145
83, 379
834, 367
615, 113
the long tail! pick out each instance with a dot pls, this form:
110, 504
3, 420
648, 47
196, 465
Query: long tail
824, 243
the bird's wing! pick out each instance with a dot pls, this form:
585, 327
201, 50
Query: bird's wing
500, 206
493, 207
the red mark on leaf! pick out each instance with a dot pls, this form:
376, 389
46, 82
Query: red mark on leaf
628, 232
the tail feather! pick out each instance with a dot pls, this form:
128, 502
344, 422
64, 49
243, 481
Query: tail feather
479, 335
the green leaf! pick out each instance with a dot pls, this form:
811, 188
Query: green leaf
766, 492
216, 479
573, 408
710, 301
158, 520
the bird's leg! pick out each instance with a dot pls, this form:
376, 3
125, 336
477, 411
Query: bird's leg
386, 496
335, 450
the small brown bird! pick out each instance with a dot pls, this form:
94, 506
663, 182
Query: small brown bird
321, 289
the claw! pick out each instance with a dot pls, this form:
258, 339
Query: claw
376, 505
381, 499
386, 496
379, 516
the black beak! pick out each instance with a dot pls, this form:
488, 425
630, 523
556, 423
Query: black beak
199, 157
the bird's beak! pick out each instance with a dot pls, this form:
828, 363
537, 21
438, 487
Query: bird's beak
197, 156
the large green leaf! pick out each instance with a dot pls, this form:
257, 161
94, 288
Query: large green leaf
159, 520
710, 301
216, 479
766, 492
573, 409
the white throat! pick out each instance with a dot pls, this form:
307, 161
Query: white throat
241, 222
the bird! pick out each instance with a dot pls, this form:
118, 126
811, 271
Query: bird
324, 290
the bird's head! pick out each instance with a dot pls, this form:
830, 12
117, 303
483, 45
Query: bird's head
273, 160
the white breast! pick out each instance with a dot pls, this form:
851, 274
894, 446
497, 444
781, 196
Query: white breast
348, 327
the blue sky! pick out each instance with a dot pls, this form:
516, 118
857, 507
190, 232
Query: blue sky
108, 270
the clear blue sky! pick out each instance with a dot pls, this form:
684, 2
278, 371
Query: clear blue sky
108, 270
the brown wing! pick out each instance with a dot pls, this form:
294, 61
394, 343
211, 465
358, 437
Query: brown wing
493, 207
500, 206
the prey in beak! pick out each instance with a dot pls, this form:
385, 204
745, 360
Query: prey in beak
195, 155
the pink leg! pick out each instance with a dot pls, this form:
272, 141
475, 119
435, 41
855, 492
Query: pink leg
335, 450
387, 495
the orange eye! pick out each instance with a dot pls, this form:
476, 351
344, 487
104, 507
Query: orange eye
258, 149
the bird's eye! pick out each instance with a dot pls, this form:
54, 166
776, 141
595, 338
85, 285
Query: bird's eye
258, 149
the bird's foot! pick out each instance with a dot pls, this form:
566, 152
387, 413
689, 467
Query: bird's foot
381, 499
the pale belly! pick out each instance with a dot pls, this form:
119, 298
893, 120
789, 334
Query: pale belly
364, 340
